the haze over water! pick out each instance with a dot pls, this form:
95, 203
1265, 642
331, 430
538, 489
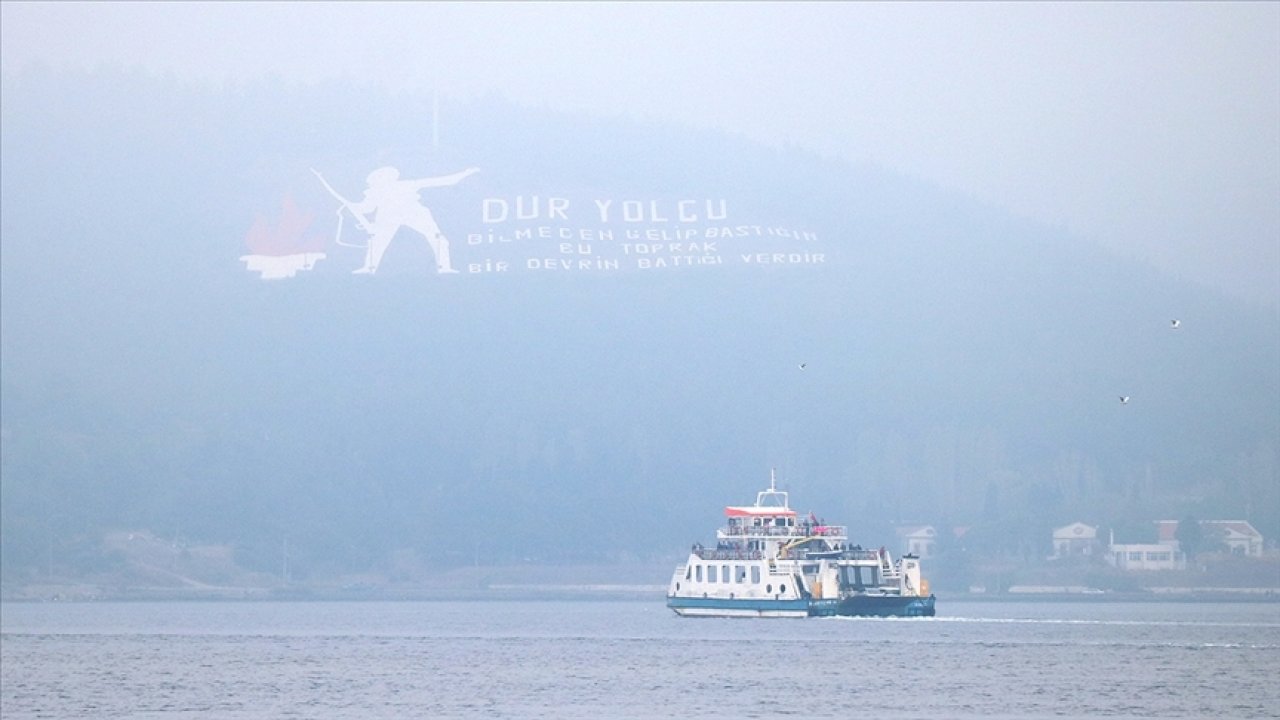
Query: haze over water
297, 299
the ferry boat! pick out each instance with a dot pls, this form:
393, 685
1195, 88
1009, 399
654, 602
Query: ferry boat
770, 562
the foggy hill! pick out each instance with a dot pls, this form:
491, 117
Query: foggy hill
962, 366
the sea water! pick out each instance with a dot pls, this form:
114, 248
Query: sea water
628, 659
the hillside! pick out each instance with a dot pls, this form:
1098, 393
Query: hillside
962, 366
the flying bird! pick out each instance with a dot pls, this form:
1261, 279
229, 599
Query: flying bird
803, 365
1124, 399
1175, 324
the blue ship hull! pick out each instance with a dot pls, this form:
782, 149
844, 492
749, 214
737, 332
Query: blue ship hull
874, 606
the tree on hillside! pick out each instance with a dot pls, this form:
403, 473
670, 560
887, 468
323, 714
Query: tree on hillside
1190, 536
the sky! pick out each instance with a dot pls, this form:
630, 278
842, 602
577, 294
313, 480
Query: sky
1151, 128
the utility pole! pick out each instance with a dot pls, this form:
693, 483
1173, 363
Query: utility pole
435, 120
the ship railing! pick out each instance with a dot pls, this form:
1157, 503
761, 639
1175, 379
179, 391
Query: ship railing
726, 554
873, 555
858, 555
705, 553
793, 531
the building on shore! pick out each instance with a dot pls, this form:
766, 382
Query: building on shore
1075, 540
1239, 536
919, 540
1146, 556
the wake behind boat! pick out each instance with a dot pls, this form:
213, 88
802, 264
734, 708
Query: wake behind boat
768, 562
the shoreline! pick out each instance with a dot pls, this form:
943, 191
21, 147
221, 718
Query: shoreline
1190, 595
567, 593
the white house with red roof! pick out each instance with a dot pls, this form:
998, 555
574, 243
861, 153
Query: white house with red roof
1240, 537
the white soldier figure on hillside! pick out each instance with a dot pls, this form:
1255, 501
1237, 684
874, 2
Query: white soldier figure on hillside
395, 204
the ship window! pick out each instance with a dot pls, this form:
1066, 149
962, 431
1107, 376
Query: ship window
782, 588
711, 573
855, 577
849, 576
724, 574
768, 588
755, 574
699, 573
688, 572
740, 573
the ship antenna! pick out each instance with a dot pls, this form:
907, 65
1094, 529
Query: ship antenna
773, 479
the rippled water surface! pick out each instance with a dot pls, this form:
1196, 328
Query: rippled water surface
634, 659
